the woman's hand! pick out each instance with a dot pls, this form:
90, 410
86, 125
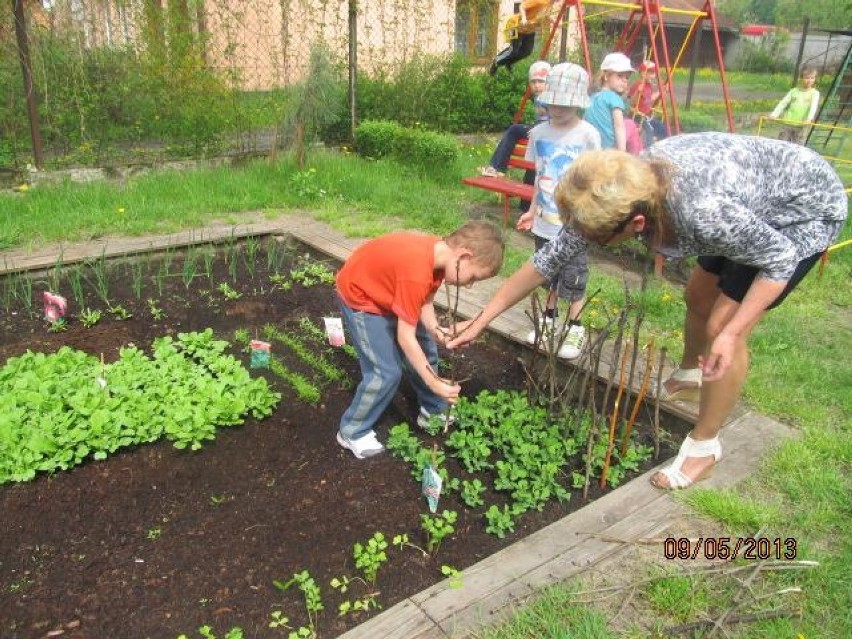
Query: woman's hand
462, 334
715, 364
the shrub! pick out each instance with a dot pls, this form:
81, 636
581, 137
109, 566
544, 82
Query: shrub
418, 148
375, 139
426, 149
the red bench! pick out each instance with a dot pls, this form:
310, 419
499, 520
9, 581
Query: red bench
505, 186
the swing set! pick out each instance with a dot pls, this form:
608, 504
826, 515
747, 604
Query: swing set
645, 17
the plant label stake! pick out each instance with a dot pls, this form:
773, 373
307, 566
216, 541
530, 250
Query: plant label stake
260, 354
101, 379
334, 331
54, 306
431, 483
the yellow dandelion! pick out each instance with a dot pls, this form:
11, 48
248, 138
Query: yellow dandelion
121, 209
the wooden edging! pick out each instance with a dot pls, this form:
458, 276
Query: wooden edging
492, 587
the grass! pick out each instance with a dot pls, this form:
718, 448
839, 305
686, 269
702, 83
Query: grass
800, 364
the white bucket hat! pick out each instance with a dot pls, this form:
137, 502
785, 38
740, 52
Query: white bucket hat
616, 62
567, 85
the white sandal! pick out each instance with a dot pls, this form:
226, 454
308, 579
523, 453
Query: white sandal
690, 448
690, 393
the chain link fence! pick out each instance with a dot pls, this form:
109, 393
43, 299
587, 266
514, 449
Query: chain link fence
142, 81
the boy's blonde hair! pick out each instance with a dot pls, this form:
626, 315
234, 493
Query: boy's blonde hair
602, 189
484, 240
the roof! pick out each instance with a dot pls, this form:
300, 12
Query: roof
679, 19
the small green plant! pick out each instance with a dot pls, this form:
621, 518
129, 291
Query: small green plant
119, 312
136, 278
229, 293
207, 632
471, 492
312, 273
401, 541
154, 533
90, 316
281, 281
500, 521
437, 527
250, 258
369, 557
156, 312
58, 326
361, 604
313, 600
453, 574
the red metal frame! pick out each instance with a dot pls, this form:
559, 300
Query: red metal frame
649, 15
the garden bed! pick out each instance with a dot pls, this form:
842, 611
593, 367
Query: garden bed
154, 541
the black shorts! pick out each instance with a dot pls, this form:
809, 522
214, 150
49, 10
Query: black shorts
735, 279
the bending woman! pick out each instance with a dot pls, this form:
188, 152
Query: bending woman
757, 212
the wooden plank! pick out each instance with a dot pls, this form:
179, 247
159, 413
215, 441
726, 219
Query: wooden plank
402, 621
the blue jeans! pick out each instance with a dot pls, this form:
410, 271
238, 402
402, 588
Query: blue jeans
503, 152
382, 366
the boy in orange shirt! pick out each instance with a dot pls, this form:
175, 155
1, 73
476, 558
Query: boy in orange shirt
385, 292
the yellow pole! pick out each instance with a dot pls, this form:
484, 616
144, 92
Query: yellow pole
630, 5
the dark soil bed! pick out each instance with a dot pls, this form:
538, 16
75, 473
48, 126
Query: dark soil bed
155, 541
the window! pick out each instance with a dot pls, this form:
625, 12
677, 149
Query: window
476, 29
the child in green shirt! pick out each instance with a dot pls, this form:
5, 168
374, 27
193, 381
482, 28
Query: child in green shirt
799, 105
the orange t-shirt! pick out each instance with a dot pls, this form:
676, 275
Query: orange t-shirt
391, 275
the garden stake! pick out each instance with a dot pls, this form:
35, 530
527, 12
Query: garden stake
628, 429
657, 402
614, 419
639, 304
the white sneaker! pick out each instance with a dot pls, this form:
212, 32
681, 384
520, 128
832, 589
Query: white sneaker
545, 329
573, 344
363, 447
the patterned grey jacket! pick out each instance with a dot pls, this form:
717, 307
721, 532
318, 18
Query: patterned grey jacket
756, 201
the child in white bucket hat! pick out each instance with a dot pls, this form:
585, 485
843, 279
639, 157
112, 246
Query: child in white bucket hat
607, 108
553, 145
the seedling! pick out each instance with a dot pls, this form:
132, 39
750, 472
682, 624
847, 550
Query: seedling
401, 541
437, 527
454, 575
362, 604
154, 533
58, 326
156, 312
119, 312
89, 317
228, 292
313, 600
370, 557
281, 281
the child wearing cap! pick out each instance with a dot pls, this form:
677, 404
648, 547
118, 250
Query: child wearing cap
496, 167
553, 145
607, 108
643, 96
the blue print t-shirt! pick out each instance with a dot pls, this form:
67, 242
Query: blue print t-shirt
553, 150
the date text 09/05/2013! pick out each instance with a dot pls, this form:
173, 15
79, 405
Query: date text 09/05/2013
730, 548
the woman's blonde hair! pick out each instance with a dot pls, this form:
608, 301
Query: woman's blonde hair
603, 189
